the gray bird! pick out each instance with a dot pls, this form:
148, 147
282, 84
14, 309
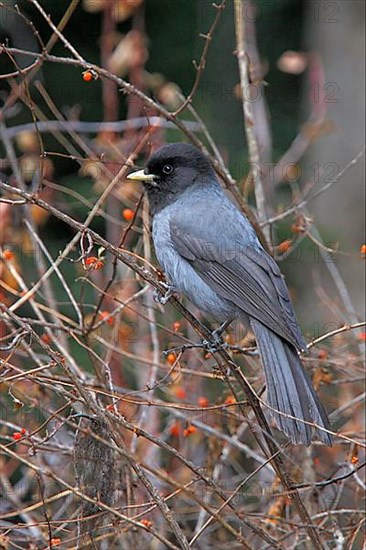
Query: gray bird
211, 254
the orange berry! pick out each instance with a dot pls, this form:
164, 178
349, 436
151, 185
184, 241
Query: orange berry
299, 226
189, 430
8, 254
322, 354
17, 436
354, 460
202, 402
128, 214
105, 315
362, 336
147, 522
46, 339
362, 250
92, 262
175, 430
55, 541
88, 76
180, 393
171, 358
230, 400
176, 326
284, 246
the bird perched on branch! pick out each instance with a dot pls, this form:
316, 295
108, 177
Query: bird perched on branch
211, 254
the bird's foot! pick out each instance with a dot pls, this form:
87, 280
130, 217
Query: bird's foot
215, 343
211, 345
164, 298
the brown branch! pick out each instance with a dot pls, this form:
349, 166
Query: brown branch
223, 358
202, 63
332, 480
48, 473
249, 121
339, 330
128, 88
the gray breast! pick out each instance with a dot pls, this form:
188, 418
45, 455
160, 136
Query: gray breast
182, 275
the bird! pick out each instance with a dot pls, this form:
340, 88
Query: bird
211, 254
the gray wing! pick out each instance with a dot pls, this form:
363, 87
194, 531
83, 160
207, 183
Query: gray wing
244, 274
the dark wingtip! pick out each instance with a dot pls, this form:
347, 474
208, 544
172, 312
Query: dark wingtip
302, 433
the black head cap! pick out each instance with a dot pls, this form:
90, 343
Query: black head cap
171, 171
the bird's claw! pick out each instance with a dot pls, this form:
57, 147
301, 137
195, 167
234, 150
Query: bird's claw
213, 347
164, 298
215, 343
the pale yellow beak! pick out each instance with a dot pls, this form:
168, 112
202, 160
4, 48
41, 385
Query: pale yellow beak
141, 176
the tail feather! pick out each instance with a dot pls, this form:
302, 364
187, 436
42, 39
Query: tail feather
289, 388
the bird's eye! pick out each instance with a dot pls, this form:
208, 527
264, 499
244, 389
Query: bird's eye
167, 169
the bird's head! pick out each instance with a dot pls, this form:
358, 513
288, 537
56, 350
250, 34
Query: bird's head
170, 171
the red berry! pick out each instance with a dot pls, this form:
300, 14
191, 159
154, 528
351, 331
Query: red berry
203, 402
180, 393
284, 246
8, 254
175, 430
128, 214
105, 315
189, 430
171, 358
88, 76
92, 262
147, 522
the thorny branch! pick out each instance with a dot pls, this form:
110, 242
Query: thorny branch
90, 343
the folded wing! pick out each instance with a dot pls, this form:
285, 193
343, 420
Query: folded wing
244, 274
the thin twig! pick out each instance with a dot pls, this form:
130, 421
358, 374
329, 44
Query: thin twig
249, 121
202, 63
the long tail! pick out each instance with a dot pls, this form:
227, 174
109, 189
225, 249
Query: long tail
289, 388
